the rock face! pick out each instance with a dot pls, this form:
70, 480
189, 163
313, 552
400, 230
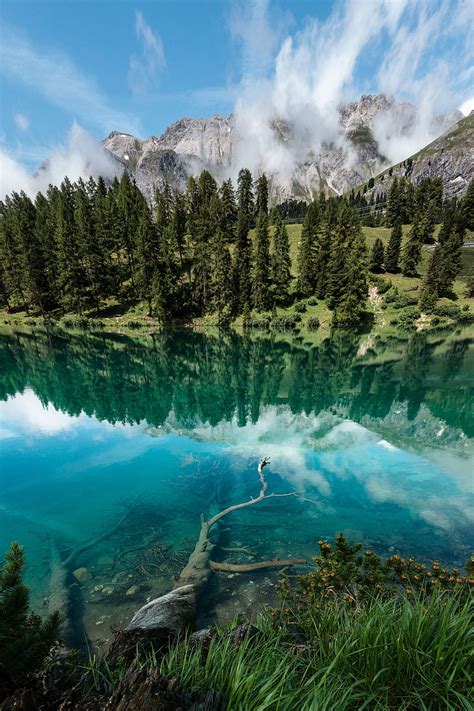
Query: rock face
191, 145
451, 156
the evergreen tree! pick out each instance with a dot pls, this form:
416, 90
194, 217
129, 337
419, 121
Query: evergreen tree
146, 257
242, 262
393, 204
392, 254
348, 299
71, 274
261, 202
467, 208
377, 256
221, 282
281, 264
307, 252
261, 265
412, 251
323, 254
228, 210
25, 639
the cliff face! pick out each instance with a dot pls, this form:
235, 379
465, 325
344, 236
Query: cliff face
191, 145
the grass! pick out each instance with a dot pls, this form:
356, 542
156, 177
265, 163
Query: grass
391, 654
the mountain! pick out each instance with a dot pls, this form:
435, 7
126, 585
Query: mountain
347, 160
451, 157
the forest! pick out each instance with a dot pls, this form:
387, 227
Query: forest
213, 249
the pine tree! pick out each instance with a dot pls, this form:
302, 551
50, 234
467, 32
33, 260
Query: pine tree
467, 208
393, 204
392, 253
377, 256
307, 253
221, 279
281, 263
146, 257
25, 639
412, 251
228, 210
91, 246
261, 202
71, 274
11, 255
261, 265
243, 257
349, 300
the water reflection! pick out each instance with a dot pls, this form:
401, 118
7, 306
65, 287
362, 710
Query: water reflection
376, 435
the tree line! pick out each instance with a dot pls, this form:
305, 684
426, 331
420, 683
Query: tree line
189, 254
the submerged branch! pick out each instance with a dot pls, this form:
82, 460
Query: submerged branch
234, 568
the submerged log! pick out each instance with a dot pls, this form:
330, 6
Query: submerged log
199, 567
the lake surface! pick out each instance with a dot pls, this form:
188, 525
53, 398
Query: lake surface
375, 437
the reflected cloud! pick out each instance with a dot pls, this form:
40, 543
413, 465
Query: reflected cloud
26, 414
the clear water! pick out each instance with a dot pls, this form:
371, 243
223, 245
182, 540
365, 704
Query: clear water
375, 437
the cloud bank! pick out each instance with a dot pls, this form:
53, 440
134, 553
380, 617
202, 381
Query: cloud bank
79, 157
413, 50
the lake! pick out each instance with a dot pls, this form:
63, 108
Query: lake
129, 441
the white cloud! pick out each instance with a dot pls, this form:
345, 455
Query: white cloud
143, 70
79, 157
53, 75
22, 122
26, 412
467, 106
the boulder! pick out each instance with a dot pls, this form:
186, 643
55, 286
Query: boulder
155, 625
173, 612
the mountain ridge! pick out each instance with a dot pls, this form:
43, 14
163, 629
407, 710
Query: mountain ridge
191, 145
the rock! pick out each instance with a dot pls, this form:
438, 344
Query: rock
202, 637
82, 575
155, 625
242, 632
108, 590
133, 590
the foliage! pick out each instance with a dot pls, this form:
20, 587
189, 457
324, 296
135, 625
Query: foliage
25, 639
354, 633
312, 323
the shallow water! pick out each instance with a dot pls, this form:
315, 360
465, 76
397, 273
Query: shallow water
375, 437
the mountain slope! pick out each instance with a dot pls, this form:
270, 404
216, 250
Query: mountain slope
451, 157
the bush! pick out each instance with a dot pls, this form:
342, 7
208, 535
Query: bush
408, 317
285, 323
383, 285
75, 321
312, 301
448, 311
312, 324
398, 300
258, 322
300, 308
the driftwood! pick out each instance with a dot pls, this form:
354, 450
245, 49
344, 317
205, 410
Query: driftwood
200, 566
67, 562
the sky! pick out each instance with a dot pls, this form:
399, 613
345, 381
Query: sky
75, 70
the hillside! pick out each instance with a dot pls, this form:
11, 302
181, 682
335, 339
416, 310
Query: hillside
451, 157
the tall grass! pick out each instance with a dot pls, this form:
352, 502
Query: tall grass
389, 654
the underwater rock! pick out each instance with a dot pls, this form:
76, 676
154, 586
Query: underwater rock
133, 590
108, 590
82, 575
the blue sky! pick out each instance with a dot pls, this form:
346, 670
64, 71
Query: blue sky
139, 66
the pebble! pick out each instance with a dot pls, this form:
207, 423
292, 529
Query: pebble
133, 590
82, 574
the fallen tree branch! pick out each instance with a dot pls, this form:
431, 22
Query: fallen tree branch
67, 562
234, 568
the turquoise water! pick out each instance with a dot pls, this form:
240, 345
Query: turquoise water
374, 436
